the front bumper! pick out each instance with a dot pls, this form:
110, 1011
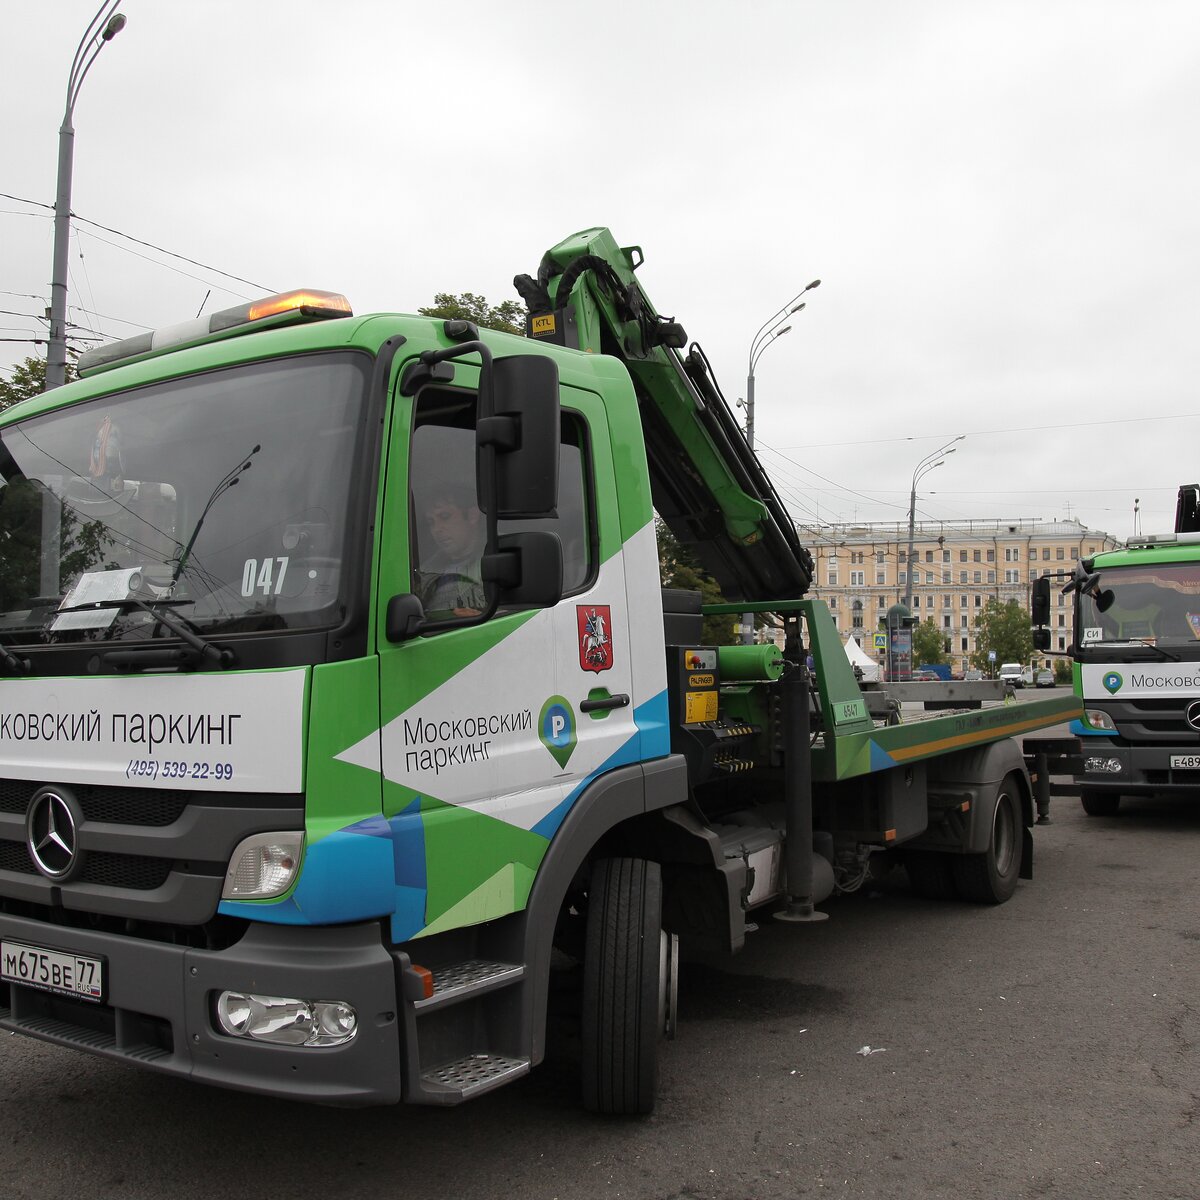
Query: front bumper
159, 1003
1144, 770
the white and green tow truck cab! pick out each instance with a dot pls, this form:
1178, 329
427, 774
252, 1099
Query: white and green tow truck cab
1137, 671
242, 763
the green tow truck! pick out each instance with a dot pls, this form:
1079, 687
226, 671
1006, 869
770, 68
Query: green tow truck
1136, 654
340, 701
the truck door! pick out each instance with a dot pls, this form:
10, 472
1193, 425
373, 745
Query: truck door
490, 732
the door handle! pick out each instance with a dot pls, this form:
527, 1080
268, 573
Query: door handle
618, 701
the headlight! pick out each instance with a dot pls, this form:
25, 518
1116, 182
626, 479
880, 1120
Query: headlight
1097, 718
262, 866
284, 1021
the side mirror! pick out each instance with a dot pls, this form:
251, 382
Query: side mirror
1104, 599
527, 569
1040, 602
1041, 638
405, 616
523, 429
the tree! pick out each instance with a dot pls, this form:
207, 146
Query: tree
678, 569
1005, 629
929, 643
508, 317
28, 379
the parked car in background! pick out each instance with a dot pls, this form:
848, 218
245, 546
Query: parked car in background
973, 675
1044, 678
925, 676
1012, 674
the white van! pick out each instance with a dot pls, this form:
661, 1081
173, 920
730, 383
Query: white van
1011, 673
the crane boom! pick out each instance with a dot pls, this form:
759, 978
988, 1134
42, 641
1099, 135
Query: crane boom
708, 484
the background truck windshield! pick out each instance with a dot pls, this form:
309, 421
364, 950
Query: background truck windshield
148, 493
1158, 603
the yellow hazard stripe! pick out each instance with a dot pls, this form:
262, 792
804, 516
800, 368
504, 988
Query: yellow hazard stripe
959, 740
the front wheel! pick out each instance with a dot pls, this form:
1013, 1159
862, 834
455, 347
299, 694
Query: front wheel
991, 877
1100, 804
627, 974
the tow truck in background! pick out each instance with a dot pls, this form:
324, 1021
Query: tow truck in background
274, 817
1136, 654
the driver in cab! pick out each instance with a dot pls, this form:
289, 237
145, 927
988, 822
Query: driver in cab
449, 579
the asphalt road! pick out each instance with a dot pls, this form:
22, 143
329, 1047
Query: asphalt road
1044, 1048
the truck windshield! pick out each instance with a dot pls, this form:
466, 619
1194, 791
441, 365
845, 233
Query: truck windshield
1156, 604
223, 495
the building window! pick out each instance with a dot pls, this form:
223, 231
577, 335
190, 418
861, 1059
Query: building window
945, 600
946, 576
856, 579
964, 619
978, 577
902, 556
901, 576
879, 557
946, 621
962, 603
964, 645
929, 556
833, 579
1013, 576
882, 602
1062, 643
978, 601
991, 556
856, 617
1060, 553
962, 556
962, 577
832, 602
977, 556
916, 602
1062, 619
881, 577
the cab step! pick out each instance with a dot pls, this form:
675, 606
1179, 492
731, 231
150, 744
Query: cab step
472, 1075
461, 981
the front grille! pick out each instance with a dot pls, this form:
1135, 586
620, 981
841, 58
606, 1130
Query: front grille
1154, 720
149, 854
109, 805
133, 871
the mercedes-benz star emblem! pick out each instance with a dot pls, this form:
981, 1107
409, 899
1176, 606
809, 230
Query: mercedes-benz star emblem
1192, 714
51, 835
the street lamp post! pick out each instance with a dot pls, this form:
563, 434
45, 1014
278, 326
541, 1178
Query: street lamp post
771, 329
105, 26
929, 463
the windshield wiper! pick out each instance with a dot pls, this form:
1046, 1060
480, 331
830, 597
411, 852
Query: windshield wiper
160, 610
229, 480
15, 664
1157, 649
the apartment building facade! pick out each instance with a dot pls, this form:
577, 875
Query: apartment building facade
956, 567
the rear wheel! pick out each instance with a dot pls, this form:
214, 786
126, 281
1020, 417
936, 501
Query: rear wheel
1100, 804
627, 993
991, 877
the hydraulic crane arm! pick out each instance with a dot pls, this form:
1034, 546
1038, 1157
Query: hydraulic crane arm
707, 483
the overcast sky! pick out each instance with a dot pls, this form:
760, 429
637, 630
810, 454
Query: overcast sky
1001, 199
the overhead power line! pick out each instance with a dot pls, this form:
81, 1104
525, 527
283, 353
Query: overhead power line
138, 241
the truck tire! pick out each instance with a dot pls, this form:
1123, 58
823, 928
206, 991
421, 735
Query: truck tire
930, 874
991, 877
623, 987
1100, 804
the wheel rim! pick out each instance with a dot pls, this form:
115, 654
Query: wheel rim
1004, 834
668, 983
